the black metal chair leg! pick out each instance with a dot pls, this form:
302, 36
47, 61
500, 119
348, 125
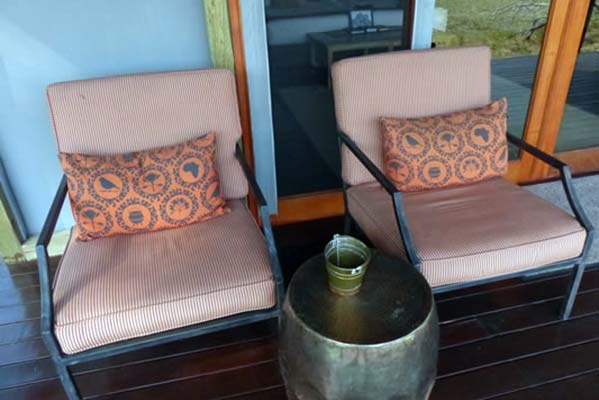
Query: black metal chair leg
577, 273
66, 378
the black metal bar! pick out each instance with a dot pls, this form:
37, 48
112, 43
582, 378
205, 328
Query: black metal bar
575, 206
572, 291
464, 285
266, 225
47, 312
170, 336
400, 214
41, 249
249, 175
573, 200
538, 153
368, 164
565, 175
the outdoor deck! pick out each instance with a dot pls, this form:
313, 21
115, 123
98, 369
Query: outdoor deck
497, 341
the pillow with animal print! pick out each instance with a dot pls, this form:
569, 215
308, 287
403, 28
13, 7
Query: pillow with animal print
144, 191
446, 150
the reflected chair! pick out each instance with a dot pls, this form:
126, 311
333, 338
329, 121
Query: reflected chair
460, 236
127, 292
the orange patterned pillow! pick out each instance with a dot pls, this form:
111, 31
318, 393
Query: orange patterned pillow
144, 191
446, 150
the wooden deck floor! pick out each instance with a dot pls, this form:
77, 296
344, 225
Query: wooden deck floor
499, 341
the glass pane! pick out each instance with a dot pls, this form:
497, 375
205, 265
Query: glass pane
580, 123
514, 32
304, 38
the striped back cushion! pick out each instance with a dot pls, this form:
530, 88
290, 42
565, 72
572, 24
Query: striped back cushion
130, 113
405, 84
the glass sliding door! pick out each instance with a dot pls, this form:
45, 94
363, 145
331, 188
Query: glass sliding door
513, 30
304, 38
580, 122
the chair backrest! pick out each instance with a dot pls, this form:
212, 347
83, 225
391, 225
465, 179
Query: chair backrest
403, 84
135, 112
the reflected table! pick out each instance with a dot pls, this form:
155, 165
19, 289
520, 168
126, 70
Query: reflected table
381, 343
342, 40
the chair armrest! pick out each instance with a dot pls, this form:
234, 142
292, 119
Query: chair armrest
368, 164
565, 176
41, 249
400, 213
249, 175
266, 226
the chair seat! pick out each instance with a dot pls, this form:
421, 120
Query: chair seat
471, 232
128, 286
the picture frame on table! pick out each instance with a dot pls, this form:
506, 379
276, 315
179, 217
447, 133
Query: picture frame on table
361, 20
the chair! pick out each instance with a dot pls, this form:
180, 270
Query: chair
457, 237
123, 293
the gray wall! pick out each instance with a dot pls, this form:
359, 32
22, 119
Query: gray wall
44, 41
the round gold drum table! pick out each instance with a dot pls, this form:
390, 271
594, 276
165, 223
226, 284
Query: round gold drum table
379, 344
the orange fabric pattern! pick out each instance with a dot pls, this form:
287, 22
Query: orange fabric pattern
446, 150
144, 191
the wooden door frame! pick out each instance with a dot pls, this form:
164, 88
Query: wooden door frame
563, 34
557, 58
225, 36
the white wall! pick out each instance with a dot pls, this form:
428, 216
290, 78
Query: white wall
256, 62
423, 24
45, 41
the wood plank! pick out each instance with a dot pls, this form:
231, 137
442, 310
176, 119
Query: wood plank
19, 280
301, 208
19, 313
150, 373
272, 393
511, 320
519, 374
462, 332
48, 390
519, 344
19, 296
19, 331
581, 387
533, 291
42, 368
227, 383
22, 351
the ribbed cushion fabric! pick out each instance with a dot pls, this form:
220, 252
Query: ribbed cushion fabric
405, 84
128, 286
130, 113
471, 232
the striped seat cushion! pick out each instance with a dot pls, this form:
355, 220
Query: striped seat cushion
123, 287
470, 232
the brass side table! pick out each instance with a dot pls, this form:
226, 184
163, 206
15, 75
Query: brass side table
381, 343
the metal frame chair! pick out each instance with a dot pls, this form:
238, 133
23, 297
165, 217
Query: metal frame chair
63, 361
578, 263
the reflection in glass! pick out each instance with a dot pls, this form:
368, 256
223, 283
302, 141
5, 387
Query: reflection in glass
580, 123
304, 38
514, 32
